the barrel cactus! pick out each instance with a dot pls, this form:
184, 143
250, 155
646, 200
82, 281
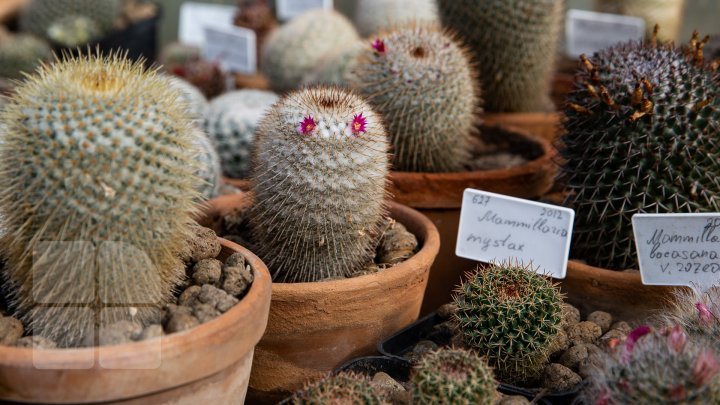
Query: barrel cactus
373, 16
342, 388
453, 376
231, 121
321, 165
96, 169
21, 54
641, 136
512, 315
293, 50
514, 43
421, 81
40, 15
209, 169
335, 67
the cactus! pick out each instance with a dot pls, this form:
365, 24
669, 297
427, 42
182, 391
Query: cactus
177, 53
514, 43
204, 75
511, 315
195, 101
231, 122
639, 139
666, 13
342, 388
39, 15
321, 165
697, 313
373, 16
656, 367
453, 376
73, 30
335, 67
95, 159
422, 83
21, 54
293, 50
209, 162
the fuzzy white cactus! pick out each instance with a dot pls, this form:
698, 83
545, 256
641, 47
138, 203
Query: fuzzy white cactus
373, 16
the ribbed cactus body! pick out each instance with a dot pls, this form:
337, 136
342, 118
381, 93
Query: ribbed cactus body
231, 121
641, 137
39, 15
97, 192
666, 13
195, 101
293, 50
374, 16
321, 161
421, 81
21, 53
209, 169
514, 43
343, 388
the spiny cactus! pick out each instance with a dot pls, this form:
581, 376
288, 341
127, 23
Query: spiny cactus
641, 137
294, 49
342, 388
73, 30
422, 83
335, 67
192, 97
514, 43
453, 376
209, 165
321, 161
373, 16
39, 15
656, 367
96, 169
21, 53
231, 121
666, 13
511, 315
696, 313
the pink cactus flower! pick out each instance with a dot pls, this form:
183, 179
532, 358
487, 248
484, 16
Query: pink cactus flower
704, 312
379, 46
307, 125
677, 338
706, 368
632, 338
358, 124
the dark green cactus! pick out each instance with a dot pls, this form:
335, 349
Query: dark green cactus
342, 388
641, 137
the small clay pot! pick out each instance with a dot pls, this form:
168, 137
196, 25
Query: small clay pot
315, 327
209, 363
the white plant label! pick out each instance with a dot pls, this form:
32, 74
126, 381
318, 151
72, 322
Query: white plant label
495, 227
287, 9
587, 32
194, 17
678, 249
233, 47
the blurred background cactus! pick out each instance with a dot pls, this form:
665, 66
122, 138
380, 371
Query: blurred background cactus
666, 13
21, 53
373, 16
342, 388
76, 19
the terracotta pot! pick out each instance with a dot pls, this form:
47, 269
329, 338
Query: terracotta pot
315, 327
439, 196
255, 81
620, 293
210, 362
241, 184
545, 125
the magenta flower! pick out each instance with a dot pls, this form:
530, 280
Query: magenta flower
677, 339
705, 369
704, 312
358, 124
632, 338
378, 45
307, 125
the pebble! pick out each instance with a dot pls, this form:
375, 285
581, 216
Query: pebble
447, 311
573, 356
235, 260
204, 312
622, 326
204, 244
612, 335
594, 359
178, 319
560, 344
602, 319
189, 296
394, 390
216, 298
571, 315
236, 279
118, 333
35, 342
557, 378
151, 332
207, 271
11, 330
584, 332
396, 245
513, 400
422, 348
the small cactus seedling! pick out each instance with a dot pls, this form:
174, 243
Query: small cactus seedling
641, 137
514, 43
511, 315
96, 195
21, 54
342, 388
321, 162
453, 376
422, 83
374, 16
97, 16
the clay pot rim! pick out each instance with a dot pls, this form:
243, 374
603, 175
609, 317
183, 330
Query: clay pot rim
588, 271
174, 342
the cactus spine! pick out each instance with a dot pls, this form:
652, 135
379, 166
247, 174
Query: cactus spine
321, 157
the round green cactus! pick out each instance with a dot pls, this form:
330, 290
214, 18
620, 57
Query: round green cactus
374, 16
97, 169
231, 121
423, 84
640, 136
514, 43
21, 54
40, 15
321, 165
342, 388
511, 315
453, 376
295, 49
195, 101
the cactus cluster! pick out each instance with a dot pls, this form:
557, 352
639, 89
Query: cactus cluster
373, 16
293, 50
453, 376
20, 54
341, 388
321, 162
421, 81
95, 169
512, 315
231, 121
70, 19
514, 43
640, 137
657, 367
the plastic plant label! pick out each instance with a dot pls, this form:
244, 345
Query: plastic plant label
587, 32
233, 47
287, 9
194, 17
678, 249
495, 227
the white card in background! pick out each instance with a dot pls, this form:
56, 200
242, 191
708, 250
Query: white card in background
233, 47
194, 17
287, 9
678, 249
495, 227
587, 32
